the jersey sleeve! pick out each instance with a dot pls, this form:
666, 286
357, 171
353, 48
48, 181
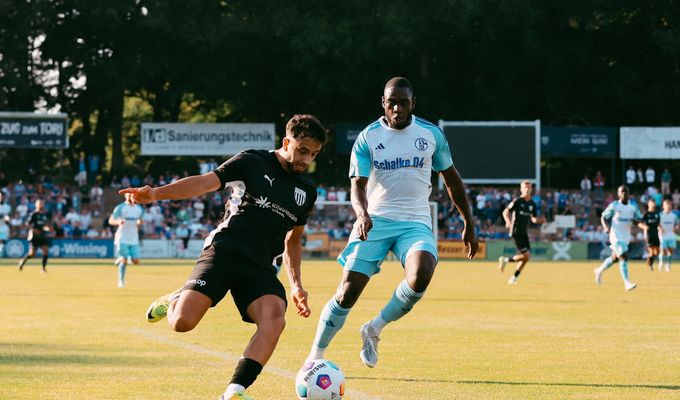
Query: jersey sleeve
441, 159
511, 206
609, 211
638, 215
116, 211
32, 218
302, 220
534, 209
235, 168
360, 160
141, 211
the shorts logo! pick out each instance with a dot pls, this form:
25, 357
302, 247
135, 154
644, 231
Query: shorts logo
421, 144
199, 282
300, 196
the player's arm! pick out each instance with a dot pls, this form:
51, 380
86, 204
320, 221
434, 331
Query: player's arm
607, 213
506, 215
292, 258
535, 218
184, 188
456, 189
359, 200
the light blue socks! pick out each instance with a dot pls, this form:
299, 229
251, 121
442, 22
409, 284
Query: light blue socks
331, 320
402, 301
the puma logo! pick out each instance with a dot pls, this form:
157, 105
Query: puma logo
271, 180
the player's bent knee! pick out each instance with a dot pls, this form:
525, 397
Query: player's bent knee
273, 326
182, 323
347, 298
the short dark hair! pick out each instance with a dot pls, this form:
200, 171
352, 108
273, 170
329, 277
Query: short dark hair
399, 81
302, 126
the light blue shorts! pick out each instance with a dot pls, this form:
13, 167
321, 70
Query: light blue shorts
128, 250
402, 237
668, 244
619, 248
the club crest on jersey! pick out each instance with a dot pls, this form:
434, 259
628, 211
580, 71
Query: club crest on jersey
421, 144
300, 196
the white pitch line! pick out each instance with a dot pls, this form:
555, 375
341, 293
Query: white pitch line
353, 394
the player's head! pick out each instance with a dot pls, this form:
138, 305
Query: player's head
128, 198
398, 102
623, 193
526, 188
305, 136
667, 205
651, 204
39, 205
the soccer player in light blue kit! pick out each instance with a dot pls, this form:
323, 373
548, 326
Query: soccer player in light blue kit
622, 215
127, 216
668, 223
390, 169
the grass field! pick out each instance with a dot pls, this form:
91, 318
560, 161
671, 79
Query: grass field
72, 334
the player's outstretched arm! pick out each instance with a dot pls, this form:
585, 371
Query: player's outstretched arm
360, 205
292, 258
184, 188
456, 190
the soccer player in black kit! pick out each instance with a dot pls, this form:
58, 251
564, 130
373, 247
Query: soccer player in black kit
39, 221
265, 216
517, 216
650, 224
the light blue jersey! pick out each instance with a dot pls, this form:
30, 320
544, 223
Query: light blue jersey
622, 217
127, 233
667, 223
398, 164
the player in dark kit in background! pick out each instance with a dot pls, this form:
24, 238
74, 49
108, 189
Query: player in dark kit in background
517, 216
37, 236
265, 217
650, 224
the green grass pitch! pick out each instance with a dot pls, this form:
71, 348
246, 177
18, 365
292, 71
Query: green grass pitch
72, 334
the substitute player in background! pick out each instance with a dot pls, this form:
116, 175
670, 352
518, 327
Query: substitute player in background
39, 222
265, 217
390, 169
668, 224
622, 215
127, 217
517, 216
650, 224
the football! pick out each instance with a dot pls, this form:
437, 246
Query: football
320, 380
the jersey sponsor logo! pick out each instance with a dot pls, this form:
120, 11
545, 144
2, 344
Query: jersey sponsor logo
262, 202
271, 180
421, 144
380, 147
416, 162
300, 196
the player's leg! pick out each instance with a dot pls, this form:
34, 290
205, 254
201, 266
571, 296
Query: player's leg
121, 262
186, 310
522, 261
360, 260
334, 314
608, 262
29, 255
669, 246
622, 250
260, 299
2, 248
416, 249
46, 253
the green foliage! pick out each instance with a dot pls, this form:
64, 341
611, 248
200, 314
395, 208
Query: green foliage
584, 62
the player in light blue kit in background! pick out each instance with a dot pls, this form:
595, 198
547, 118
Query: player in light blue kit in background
668, 223
390, 170
127, 217
622, 215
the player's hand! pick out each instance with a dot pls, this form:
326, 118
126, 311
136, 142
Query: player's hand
299, 296
142, 195
363, 226
470, 241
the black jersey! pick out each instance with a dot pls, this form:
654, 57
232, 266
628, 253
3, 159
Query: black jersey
265, 203
522, 211
651, 219
38, 220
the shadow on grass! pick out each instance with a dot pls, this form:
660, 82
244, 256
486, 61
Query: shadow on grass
510, 383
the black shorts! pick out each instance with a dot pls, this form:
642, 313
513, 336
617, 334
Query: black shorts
521, 242
653, 240
39, 241
219, 270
